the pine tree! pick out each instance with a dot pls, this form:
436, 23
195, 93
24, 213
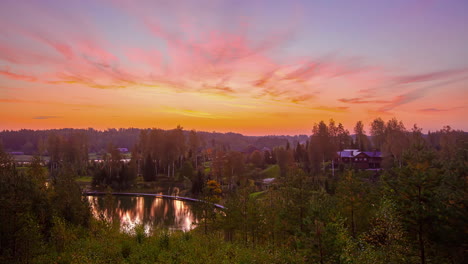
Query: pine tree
148, 169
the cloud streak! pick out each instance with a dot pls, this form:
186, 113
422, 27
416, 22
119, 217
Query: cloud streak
23, 101
362, 101
241, 56
213, 60
45, 117
438, 110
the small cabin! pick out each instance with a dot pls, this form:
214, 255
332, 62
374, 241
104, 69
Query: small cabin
365, 160
123, 150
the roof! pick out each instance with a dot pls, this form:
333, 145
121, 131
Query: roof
250, 149
373, 154
350, 153
266, 149
123, 149
347, 153
268, 180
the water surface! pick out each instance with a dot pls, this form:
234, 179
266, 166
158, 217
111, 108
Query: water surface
152, 212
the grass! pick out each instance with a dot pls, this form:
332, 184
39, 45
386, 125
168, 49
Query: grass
163, 184
271, 172
91, 156
107, 245
84, 179
27, 158
97, 156
257, 194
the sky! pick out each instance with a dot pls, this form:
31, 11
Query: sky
252, 67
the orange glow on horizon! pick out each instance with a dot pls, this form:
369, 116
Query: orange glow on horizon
263, 72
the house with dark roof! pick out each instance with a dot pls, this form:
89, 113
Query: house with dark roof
123, 150
365, 160
250, 149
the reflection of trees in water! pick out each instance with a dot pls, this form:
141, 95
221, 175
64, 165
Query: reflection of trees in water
150, 211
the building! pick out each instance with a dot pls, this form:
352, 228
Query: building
123, 150
365, 160
16, 153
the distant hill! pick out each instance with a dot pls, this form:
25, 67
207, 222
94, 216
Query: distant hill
27, 141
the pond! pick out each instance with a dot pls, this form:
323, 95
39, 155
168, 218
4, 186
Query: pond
149, 211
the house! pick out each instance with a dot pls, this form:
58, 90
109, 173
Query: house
123, 150
266, 149
264, 184
250, 149
365, 160
16, 153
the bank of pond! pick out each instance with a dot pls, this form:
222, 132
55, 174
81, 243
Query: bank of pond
152, 211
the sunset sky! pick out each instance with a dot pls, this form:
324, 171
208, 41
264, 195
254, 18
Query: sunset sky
253, 67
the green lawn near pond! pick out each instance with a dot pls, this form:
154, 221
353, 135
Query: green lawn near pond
271, 172
85, 179
256, 194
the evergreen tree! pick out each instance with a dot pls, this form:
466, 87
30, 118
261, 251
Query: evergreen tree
362, 142
378, 133
414, 188
148, 169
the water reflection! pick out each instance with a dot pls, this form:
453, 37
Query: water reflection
152, 212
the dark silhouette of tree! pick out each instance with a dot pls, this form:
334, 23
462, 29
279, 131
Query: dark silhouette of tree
149, 173
362, 142
378, 133
256, 158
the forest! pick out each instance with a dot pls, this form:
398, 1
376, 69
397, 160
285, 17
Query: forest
317, 209
30, 141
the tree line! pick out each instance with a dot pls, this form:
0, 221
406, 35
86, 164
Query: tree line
412, 211
31, 141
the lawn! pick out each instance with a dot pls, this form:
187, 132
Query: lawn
271, 172
84, 179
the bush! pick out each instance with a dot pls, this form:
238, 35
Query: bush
140, 233
126, 249
164, 240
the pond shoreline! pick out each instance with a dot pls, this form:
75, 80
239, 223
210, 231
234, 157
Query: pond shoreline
96, 193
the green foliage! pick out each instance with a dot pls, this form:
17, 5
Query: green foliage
285, 160
114, 172
149, 171
126, 249
33, 215
212, 192
354, 193
362, 141
417, 188
164, 239
414, 213
256, 158
68, 200
257, 194
140, 233
187, 170
198, 184
272, 171
24, 212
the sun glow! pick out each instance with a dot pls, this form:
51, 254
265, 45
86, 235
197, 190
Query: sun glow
255, 74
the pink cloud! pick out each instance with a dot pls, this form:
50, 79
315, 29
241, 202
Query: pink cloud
62, 48
152, 58
232, 61
23, 101
17, 76
436, 110
362, 101
431, 76
402, 99
22, 56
